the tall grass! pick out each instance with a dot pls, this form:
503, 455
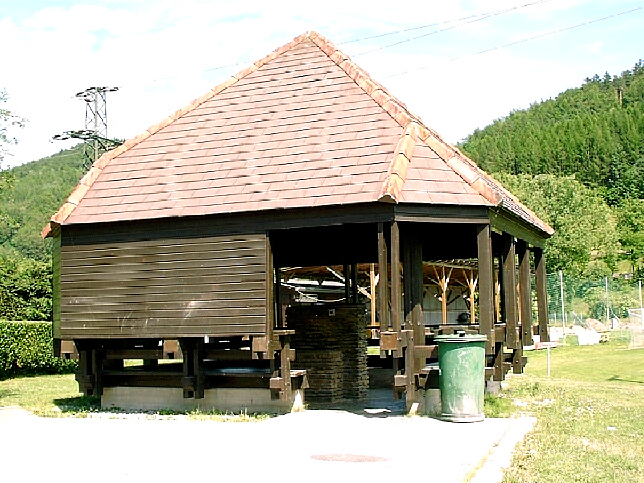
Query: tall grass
590, 415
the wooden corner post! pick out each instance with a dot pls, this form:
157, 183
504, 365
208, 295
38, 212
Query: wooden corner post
542, 294
509, 291
383, 283
525, 292
486, 286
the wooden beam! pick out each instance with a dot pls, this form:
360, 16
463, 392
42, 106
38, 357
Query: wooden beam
413, 282
372, 293
354, 283
542, 294
509, 291
279, 318
517, 228
383, 289
472, 282
396, 289
270, 291
499, 372
525, 293
486, 286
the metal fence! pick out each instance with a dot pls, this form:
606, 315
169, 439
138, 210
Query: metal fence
588, 302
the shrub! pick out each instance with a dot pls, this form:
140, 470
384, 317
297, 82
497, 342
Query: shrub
27, 348
25, 289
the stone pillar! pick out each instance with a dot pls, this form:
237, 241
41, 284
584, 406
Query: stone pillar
330, 342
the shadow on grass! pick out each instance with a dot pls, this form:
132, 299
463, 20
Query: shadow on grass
619, 379
78, 404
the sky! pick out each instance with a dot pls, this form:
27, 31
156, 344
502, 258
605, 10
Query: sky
457, 64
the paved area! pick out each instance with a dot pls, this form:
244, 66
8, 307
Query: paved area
315, 445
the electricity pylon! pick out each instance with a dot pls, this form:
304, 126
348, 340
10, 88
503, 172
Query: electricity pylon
95, 132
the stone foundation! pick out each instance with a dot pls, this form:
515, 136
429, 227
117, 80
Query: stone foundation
233, 400
330, 342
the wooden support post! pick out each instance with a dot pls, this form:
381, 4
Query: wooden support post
410, 372
354, 283
486, 286
396, 289
270, 296
525, 293
413, 282
383, 289
192, 381
285, 367
372, 293
197, 369
279, 317
84, 372
499, 359
517, 361
347, 283
509, 291
472, 282
542, 294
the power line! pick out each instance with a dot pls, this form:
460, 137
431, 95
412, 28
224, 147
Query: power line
386, 34
472, 19
528, 39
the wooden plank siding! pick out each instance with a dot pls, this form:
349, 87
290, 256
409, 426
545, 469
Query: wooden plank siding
212, 285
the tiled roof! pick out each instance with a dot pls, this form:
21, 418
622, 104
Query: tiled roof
302, 127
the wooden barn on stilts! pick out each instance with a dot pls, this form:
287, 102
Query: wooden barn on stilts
270, 231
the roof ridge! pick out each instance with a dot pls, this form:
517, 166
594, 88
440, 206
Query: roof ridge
397, 172
414, 131
405, 118
394, 107
95, 170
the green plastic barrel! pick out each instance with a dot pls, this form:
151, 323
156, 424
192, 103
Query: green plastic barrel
461, 361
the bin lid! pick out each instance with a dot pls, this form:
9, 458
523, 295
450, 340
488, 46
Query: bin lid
461, 336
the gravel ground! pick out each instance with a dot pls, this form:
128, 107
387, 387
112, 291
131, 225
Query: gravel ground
311, 446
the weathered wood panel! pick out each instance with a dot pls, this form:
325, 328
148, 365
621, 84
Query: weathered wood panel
169, 287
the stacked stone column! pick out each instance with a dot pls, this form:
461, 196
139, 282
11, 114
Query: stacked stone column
330, 342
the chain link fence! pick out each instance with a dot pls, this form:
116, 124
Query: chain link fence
609, 303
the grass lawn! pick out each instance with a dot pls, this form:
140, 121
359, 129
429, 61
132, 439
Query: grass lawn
590, 415
58, 396
45, 395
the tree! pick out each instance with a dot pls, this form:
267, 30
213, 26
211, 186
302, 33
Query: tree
630, 215
585, 226
7, 119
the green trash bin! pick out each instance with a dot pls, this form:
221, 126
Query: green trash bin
461, 362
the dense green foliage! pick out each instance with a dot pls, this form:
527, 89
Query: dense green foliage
27, 348
585, 226
594, 132
30, 194
593, 137
25, 289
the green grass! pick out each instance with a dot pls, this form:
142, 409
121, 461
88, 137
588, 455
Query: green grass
50, 395
58, 396
590, 415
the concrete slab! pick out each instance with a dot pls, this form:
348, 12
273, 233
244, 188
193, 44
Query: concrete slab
318, 445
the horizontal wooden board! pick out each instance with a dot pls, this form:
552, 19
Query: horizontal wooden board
162, 332
217, 277
155, 288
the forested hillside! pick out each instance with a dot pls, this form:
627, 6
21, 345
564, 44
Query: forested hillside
594, 132
578, 162
29, 195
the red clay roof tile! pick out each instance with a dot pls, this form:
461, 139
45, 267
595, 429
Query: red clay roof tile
304, 126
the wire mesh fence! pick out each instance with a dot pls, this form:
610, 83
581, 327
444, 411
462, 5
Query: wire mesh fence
603, 304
